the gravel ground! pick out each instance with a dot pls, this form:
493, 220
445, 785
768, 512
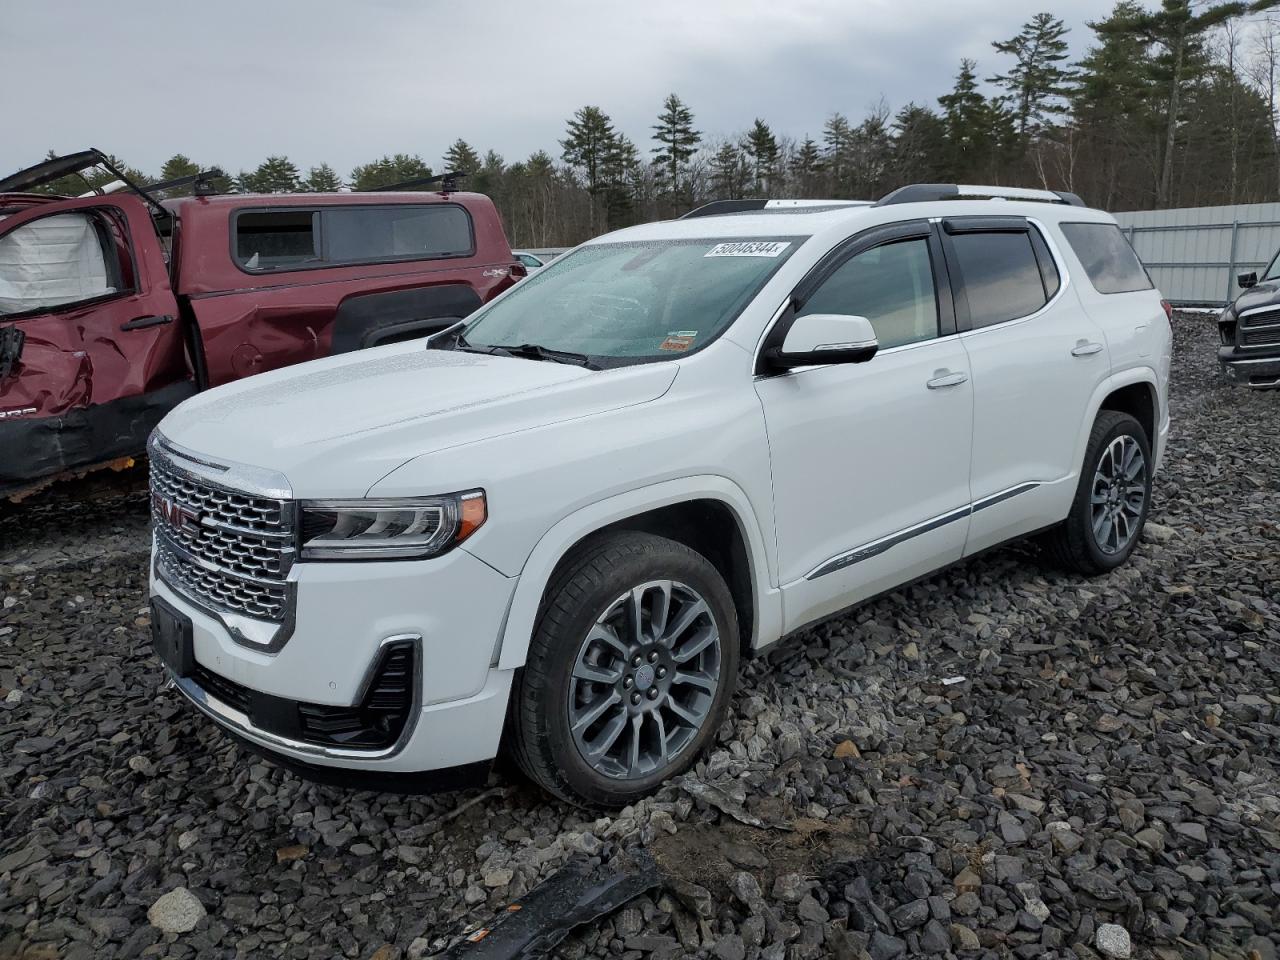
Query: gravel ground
1001, 761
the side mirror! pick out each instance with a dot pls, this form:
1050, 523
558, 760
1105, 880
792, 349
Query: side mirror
1247, 280
821, 338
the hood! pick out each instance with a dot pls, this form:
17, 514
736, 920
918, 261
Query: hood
335, 427
1265, 294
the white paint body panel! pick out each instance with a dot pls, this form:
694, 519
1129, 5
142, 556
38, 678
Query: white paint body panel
815, 465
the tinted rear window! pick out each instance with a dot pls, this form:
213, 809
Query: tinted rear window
298, 239
1107, 258
1002, 279
354, 234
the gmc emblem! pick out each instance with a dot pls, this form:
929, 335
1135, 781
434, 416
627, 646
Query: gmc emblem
180, 518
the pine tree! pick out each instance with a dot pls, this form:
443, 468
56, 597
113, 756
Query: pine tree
461, 157
621, 163
174, 168
837, 147
276, 174
588, 144
321, 179
389, 170
677, 141
762, 147
968, 121
1038, 83
919, 147
806, 168
1178, 31
730, 172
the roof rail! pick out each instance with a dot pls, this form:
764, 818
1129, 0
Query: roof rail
718, 208
925, 192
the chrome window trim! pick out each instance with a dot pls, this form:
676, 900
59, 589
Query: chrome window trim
239, 723
873, 548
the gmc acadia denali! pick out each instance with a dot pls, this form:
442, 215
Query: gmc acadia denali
556, 527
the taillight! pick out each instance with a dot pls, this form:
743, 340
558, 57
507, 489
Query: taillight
1168, 311
519, 270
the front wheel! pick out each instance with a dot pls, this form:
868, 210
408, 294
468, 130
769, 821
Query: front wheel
629, 673
1112, 498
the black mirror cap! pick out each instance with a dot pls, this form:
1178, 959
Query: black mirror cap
777, 360
1247, 280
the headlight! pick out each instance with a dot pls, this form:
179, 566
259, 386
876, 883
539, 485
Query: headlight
408, 529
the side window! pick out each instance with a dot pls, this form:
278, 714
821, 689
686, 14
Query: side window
890, 285
1107, 258
363, 234
268, 240
1001, 276
57, 261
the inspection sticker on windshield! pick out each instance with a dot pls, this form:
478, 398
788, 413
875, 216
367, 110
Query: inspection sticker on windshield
748, 248
679, 340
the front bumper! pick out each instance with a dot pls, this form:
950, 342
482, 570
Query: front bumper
452, 609
1250, 371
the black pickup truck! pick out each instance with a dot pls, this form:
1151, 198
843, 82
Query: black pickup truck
1250, 331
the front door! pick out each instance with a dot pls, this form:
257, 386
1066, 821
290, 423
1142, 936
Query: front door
85, 284
871, 461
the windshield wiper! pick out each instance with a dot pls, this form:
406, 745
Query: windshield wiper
534, 351
528, 351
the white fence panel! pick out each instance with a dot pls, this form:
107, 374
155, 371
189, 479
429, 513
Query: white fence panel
1195, 253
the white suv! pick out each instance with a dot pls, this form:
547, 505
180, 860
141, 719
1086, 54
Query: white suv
560, 525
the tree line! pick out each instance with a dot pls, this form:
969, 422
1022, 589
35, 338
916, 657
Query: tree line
1169, 107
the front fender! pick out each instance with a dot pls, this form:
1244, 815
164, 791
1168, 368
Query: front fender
560, 538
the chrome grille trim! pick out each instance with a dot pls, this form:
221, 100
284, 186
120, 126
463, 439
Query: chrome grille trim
231, 550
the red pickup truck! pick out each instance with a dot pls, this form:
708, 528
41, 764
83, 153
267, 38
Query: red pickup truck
116, 306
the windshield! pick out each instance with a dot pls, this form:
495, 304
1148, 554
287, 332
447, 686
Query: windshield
633, 302
1273, 269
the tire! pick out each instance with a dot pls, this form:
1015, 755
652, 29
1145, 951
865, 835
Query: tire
1075, 544
576, 667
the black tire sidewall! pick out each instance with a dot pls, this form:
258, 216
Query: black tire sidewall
667, 560
1082, 513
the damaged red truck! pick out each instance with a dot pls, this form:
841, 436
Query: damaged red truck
116, 306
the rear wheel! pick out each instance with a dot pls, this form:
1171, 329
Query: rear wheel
1112, 498
629, 672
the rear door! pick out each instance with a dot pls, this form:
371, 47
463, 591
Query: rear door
1036, 358
86, 284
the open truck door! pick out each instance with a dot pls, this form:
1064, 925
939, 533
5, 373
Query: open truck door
92, 346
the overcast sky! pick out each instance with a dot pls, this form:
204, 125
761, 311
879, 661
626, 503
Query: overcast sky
232, 81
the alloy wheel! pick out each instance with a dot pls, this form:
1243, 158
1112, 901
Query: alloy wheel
644, 680
1119, 494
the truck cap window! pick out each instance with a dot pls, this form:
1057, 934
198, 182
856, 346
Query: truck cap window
1001, 277
300, 239
632, 302
1107, 258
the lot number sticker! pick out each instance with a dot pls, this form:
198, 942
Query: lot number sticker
749, 248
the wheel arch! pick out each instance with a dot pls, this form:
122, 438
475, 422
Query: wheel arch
1134, 392
693, 511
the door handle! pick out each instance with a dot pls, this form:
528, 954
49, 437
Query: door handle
1086, 348
944, 379
140, 323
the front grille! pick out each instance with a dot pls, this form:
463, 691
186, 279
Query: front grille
374, 724
1260, 338
227, 550
1261, 319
